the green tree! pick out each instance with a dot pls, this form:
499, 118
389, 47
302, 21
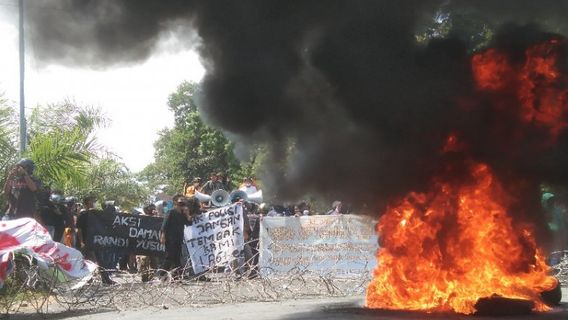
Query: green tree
109, 179
191, 148
62, 157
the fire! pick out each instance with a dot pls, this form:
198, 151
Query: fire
445, 249
536, 83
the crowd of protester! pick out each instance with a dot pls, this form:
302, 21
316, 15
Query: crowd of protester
66, 220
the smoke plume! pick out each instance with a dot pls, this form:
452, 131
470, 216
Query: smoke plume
350, 103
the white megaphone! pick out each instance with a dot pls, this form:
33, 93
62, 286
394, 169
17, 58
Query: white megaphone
255, 197
238, 194
220, 198
202, 197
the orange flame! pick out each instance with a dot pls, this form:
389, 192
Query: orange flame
537, 84
445, 249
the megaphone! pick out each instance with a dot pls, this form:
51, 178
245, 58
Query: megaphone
220, 198
202, 197
255, 197
238, 194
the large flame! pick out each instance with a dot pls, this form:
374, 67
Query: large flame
445, 249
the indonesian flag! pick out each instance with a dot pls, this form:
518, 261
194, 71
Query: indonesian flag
29, 237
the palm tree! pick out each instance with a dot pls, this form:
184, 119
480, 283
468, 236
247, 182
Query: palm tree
62, 157
62, 143
8, 150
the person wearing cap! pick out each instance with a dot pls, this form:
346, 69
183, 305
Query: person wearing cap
20, 189
189, 191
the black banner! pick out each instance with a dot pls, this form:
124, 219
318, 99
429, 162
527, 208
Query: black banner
125, 233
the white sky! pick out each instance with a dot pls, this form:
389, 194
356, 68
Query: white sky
134, 98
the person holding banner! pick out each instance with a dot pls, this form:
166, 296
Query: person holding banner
99, 256
146, 264
171, 234
249, 265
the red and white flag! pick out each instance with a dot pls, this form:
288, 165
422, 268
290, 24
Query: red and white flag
29, 237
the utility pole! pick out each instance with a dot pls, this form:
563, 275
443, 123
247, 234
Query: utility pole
23, 129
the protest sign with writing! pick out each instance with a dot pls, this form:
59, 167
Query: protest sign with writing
132, 234
215, 238
343, 244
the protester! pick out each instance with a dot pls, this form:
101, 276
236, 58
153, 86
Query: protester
297, 211
146, 264
335, 208
225, 180
247, 253
254, 217
189, 191
247, 186
273, 212
47, 211
73, 208
82, 222
163, 207
212, 185
20, 189
104, 258
171, 234
556, 215
61, 216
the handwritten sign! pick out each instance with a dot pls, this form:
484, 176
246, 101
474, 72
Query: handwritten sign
215, 238
344, 244
132, 234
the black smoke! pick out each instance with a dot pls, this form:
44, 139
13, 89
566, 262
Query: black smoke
350, 103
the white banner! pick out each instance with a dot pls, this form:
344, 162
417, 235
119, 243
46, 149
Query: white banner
344, 245
215, 238
27, 236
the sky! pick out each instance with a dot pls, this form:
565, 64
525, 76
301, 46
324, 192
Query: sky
133, 97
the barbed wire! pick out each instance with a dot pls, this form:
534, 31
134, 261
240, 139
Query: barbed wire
30, 289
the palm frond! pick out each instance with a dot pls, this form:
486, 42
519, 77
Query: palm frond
62, 157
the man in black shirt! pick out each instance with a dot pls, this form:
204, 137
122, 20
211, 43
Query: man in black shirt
172, 230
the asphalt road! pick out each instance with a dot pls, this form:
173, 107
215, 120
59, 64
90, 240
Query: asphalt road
318, 309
